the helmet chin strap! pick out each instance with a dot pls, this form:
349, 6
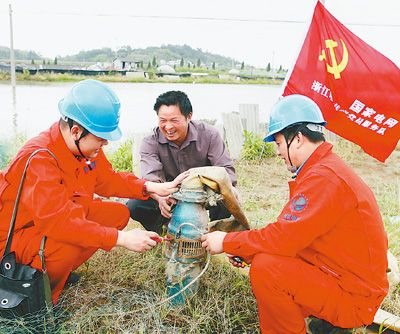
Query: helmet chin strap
84, 133
292, 167
87, 160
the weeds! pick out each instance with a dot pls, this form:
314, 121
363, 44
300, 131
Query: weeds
106, 300
117, 285
9, 148
254, 147
121, 159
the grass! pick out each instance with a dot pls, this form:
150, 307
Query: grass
118, 288
224, 303
107, 299
52, 77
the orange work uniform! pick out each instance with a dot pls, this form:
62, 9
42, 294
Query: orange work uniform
326, 255
58, 201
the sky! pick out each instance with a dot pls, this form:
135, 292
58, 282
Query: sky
257, 32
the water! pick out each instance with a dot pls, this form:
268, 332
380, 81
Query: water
34, 106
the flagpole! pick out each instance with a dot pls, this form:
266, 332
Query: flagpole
289, 72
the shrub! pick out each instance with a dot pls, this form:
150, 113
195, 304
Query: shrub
121, 159
254, 147
9, 148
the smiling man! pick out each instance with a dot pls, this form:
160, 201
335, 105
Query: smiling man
325, 255
176, 145
57, 199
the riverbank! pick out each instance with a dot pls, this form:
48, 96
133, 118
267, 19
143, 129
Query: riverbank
51, 77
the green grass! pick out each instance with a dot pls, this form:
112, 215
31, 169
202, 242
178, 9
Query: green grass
119, 299
51, 77
9, 148
117, 288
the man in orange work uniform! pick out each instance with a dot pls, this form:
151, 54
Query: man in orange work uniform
325, 256
57, 198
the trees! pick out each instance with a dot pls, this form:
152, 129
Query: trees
182, 62
154, 62
242, 66
124, 51
213, 65
198, 62
269, 67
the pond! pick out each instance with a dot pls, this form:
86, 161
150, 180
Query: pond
33, 108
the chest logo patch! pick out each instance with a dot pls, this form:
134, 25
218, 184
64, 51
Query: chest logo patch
299, 203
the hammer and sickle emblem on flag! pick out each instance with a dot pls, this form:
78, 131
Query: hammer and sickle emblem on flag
335, 68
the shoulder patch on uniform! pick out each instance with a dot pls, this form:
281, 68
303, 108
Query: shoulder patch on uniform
290, 217
298, 203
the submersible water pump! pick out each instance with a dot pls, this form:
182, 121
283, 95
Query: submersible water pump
183, 246
204, 187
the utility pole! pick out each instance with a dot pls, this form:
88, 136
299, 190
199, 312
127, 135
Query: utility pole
273, 61
12, 56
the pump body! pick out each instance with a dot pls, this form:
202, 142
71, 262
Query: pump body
183, 248
204, 187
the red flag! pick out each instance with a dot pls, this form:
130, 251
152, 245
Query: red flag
356, 87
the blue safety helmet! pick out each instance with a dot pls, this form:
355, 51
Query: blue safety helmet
290, 110
93, 105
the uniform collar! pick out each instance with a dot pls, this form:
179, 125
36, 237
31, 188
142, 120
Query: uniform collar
58, 146
321, 151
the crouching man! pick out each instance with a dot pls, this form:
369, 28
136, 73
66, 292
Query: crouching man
325, 256
57, 198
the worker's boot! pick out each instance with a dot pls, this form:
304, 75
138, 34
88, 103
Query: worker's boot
319, 326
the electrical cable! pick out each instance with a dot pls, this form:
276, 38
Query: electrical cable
165, 300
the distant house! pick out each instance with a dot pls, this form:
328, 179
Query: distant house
5, 67
126, 64
234, 72
166, 71
96, 67
174, 63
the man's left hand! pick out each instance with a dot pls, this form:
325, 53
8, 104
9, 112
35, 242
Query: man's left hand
165, 204
165, 188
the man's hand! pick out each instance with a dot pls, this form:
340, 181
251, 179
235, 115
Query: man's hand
212, 242
166, 188
241, 264
165, 204
137, 240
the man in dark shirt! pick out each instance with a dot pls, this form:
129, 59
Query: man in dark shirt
176, 145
